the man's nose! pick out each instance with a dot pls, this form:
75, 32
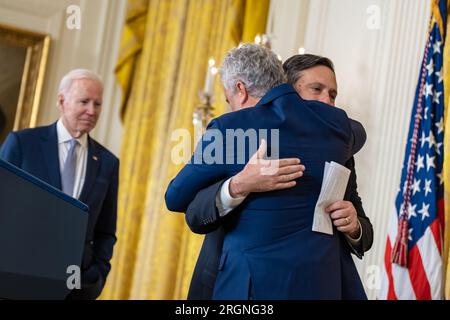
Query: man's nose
91, 109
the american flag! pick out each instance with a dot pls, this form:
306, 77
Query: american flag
413, 257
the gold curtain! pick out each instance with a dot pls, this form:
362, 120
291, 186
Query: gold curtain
446, 256
164, 52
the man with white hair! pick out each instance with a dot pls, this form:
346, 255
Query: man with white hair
65, 156
313, 77
269, 249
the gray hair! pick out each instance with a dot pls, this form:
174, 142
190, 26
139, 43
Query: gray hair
257, 67
77, 74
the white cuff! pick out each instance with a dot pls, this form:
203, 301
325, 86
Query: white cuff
355, 242
224, 201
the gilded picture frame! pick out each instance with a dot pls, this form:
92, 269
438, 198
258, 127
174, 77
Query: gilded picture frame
23, 61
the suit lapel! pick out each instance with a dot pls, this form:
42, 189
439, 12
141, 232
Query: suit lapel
93, 163
51, 155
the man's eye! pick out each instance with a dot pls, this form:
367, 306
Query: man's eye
316, 89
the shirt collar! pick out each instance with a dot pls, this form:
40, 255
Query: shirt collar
64, 135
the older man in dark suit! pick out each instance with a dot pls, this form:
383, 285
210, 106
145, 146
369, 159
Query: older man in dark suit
270, 251
65, 156
213, 208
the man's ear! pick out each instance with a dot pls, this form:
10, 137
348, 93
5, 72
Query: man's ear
60, 101
242, 93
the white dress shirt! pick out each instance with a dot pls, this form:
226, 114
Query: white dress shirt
64, 138
225, 203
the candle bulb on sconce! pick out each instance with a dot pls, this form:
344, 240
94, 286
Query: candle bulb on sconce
203, 113
214, 72
263, 40
210, 75
258, 39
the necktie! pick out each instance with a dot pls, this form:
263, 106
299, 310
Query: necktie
68, 173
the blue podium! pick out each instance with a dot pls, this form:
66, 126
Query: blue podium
42, 235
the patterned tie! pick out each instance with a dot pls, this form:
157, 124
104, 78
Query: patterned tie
68, 173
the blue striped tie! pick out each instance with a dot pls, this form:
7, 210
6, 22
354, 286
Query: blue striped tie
68, 173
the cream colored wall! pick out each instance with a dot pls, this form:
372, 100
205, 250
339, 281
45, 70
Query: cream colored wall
377, 71
94, 46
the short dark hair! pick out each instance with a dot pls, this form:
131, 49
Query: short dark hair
295, 64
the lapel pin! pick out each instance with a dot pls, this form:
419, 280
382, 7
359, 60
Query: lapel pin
95, 158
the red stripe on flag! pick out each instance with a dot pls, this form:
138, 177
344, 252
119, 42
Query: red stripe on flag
387, 263
436, 231
441, 213
418, 275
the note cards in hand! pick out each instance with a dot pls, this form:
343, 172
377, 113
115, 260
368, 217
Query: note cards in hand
334, 184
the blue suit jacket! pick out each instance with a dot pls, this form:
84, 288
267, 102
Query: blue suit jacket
36, 151
202, 217
270, 252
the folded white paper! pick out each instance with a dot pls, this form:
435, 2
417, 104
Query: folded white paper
334, 184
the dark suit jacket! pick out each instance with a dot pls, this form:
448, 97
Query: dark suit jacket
36, 151
273, 234
203, 217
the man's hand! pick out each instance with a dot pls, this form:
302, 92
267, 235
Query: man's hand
261, 175
344, 217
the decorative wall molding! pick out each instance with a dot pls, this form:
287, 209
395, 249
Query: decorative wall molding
377, 71
286, 24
